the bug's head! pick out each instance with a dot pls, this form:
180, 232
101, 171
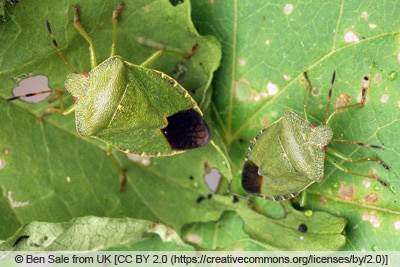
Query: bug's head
321, 135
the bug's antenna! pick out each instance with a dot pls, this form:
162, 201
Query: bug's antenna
33, 94
328, 106
308, 89
114, 23
58, 48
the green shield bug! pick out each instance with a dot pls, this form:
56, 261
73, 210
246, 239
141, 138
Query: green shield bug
288, 156
135, 109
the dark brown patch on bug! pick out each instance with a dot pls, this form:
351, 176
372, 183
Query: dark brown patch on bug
347, 192
251, 180
186, 130
372, 198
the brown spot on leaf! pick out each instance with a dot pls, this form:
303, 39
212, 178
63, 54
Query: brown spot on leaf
264, 121
372, 217
323, 201
207, 168
193, 238
347, 192
315, 92
342, 100
377, 78
259, 209
372, 198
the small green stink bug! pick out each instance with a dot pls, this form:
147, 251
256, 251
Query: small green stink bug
288, 156
135, 109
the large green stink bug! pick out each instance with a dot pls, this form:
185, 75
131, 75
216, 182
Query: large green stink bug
288, 156
137, 110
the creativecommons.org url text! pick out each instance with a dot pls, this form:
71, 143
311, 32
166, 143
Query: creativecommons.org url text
183, 260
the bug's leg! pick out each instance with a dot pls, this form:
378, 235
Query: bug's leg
376, 159
122, 177
339, 155
356, 143
61, 109
162, 49
79, 28
364, 88
114, 21
303, 198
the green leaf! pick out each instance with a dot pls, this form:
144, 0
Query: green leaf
256, 232
94, 233
267, 46
226, 230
